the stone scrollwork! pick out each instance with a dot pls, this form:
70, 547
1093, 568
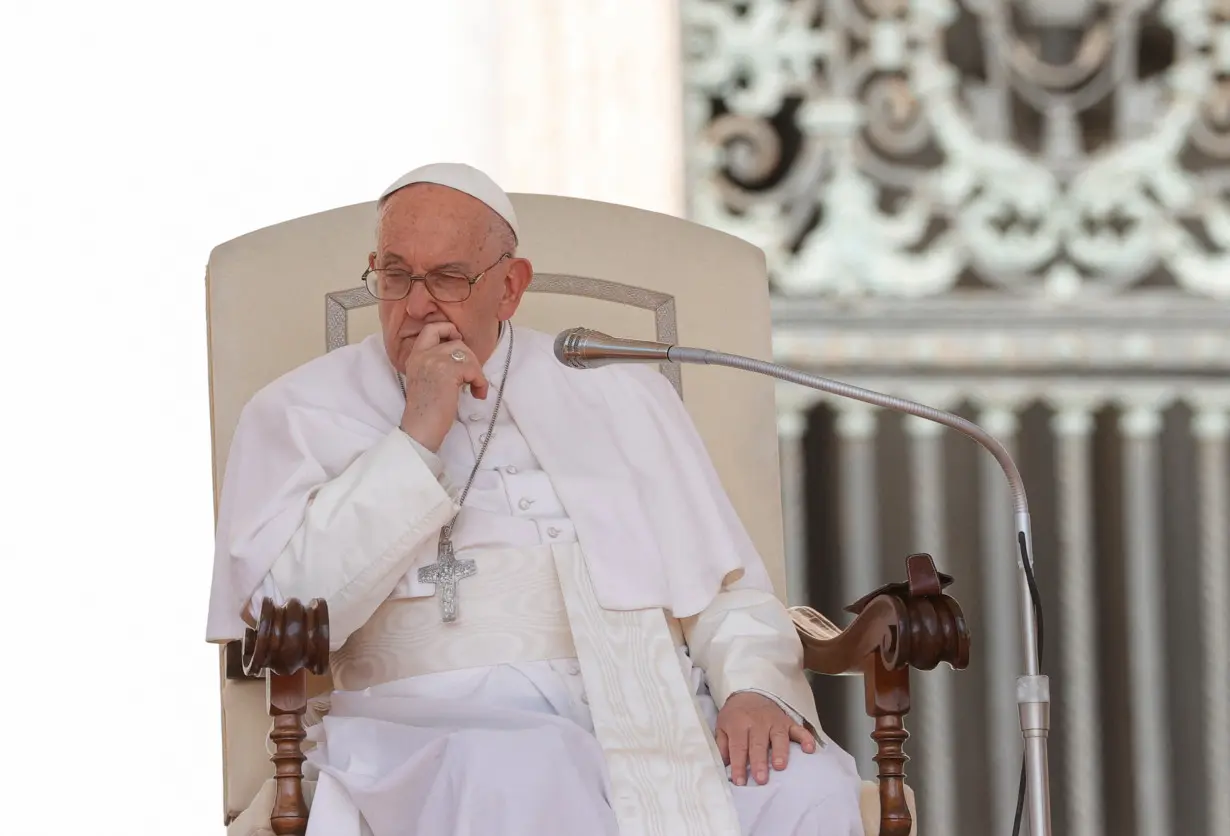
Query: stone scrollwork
1067, 149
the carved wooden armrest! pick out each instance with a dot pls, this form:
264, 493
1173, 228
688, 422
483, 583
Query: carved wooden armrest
287, 643
897, 627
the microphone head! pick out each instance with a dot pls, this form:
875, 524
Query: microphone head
585, 348
570, 346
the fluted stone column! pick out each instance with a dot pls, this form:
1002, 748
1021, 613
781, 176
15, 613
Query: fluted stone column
860, 548
938, 808
1140, 425
1211, 428
1072, 426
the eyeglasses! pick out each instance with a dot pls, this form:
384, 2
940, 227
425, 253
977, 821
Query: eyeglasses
391, 283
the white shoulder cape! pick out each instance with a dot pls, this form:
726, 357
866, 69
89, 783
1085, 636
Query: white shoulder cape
656, 527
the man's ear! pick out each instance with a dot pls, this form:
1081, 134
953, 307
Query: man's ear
371, 261
516, 281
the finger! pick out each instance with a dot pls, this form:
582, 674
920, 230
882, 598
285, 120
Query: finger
758, 751
433, 334
738, 758
457, 359
723, 744
779, 738
800, 735
472, 374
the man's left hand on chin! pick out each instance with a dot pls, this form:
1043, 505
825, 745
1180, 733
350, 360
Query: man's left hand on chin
750, 727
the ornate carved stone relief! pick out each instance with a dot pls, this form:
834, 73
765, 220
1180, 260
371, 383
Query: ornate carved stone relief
1067, 150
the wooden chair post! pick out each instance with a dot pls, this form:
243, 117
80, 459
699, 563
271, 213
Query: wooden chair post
897, 627
287, 643
287, 700
888, 701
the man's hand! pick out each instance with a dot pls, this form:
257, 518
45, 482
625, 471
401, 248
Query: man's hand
434, 378
748, 726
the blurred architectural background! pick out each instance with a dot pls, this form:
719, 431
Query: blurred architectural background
1016, 209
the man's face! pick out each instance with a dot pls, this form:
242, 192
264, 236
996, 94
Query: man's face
426, 228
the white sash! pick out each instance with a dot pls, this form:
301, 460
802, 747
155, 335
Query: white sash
667, 776
511, 611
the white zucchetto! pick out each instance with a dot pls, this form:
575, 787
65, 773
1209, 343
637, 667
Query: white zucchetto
463, 178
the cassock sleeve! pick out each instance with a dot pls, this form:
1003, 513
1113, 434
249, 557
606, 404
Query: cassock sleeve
361, 533
745, 641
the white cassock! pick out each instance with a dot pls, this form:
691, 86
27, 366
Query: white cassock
618, 602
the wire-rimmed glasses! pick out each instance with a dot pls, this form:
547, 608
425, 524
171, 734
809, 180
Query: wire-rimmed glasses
389, 284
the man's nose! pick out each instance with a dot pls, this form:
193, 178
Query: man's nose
420, 303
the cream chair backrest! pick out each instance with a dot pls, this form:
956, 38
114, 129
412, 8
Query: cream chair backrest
282, 295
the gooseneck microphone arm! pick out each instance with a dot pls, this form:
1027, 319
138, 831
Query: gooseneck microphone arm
582, 348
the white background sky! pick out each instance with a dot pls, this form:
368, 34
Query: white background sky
134, 137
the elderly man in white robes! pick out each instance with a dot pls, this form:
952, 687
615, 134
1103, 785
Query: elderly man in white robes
546, 617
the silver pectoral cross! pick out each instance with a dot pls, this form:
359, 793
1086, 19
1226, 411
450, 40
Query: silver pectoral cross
445, 573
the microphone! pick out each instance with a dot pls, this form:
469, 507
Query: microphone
585, 348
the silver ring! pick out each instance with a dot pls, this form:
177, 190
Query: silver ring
459, 356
